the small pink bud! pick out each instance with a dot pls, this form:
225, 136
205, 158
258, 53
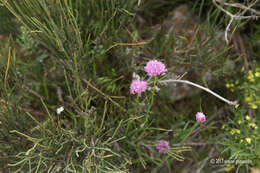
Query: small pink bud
162, 145
200, 117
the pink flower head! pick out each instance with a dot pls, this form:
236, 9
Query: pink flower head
138, 86
200, 117
155, 68
162, 145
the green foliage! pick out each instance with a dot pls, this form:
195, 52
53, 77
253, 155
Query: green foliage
252, 88
241, 133
241, 140
248, 86
81, 55
44, 19
76, 141
8, 24
63, 145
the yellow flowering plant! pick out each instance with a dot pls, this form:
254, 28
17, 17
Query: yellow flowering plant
248, 86
241, 141
252, 91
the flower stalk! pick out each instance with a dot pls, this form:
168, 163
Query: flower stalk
234, 103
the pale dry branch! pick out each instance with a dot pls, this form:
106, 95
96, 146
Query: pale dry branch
238, 16
234, 103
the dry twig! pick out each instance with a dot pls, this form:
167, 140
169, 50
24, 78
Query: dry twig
234, 103
238, 16
7, 68
106, 96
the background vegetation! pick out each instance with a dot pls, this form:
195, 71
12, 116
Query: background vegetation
81, 55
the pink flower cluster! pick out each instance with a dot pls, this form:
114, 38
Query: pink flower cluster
152, 68
155, 68
138, 86
200, 117
162, 146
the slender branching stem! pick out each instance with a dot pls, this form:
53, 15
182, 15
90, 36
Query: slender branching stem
234, 103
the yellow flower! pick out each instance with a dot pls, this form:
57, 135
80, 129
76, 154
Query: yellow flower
251, 79
229, 167
253, 125
241, 140
247, 117
232, 132
223, 127
239, 122
247, 99
257, 74
227, 85
237, 131
248, 140
250, 76
253, 106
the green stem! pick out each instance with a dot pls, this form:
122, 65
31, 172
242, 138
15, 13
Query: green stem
135, 110
191, 130
152, 101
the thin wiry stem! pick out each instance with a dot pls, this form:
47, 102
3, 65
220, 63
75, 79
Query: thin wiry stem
234, 103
